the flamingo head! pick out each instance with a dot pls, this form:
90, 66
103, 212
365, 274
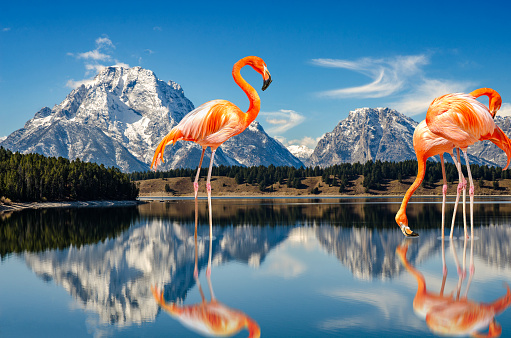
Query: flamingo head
402, 222
260, 66
495, 104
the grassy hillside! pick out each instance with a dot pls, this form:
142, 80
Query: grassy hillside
226, 186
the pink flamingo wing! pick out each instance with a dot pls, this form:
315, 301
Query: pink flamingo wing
459, 118
211, 123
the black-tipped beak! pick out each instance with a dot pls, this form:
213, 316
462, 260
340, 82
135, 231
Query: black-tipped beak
267, 82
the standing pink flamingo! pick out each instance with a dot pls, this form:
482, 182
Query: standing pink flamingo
214, 122
426, 144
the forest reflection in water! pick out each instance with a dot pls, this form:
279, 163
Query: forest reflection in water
324, 263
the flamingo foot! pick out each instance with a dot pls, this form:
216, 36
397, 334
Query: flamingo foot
471, 190
195, 273
444, 189
444, 270
208, 272
472, 269
208, 187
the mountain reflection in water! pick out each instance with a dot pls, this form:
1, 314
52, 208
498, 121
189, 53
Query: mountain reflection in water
107, 259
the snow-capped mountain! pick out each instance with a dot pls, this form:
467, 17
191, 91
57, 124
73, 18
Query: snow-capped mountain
303, 153
487, 150
367, 134
246, 148
2, 138
120, 118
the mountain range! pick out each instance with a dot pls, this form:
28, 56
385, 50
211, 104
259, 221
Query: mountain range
120, 117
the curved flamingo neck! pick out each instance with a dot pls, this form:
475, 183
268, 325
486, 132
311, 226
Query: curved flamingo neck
493, 96
421, 282
421, 171
253, 97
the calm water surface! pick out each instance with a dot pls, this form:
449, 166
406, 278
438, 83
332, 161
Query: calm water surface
295, 267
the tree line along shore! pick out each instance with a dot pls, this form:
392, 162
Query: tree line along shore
371, 178
36, 178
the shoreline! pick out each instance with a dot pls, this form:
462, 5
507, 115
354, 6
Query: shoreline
15, 206
148, 198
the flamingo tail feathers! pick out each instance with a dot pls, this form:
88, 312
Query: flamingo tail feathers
171, 138
171, 308
493, 331
502, 141
502, 303
254, 331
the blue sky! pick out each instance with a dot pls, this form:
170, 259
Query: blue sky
325, 57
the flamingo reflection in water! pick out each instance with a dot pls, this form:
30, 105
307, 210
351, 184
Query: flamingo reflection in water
208, 318
450, 315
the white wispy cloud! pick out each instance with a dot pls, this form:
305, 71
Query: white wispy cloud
418, 99
6, 29
94, 60
103, 42
388, 75
96, 68
282, 120
505, 110
75, 84
307, 141
103, 45
400, 75
94, 55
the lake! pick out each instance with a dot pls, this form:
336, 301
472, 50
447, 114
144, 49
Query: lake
288, 267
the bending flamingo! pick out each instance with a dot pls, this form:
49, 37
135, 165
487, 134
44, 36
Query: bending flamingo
425, 144
216, 121
463, 120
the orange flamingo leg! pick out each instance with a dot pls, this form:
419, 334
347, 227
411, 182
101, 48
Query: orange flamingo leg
208, 186
471, 193
461, 187
196, 182
444, 194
